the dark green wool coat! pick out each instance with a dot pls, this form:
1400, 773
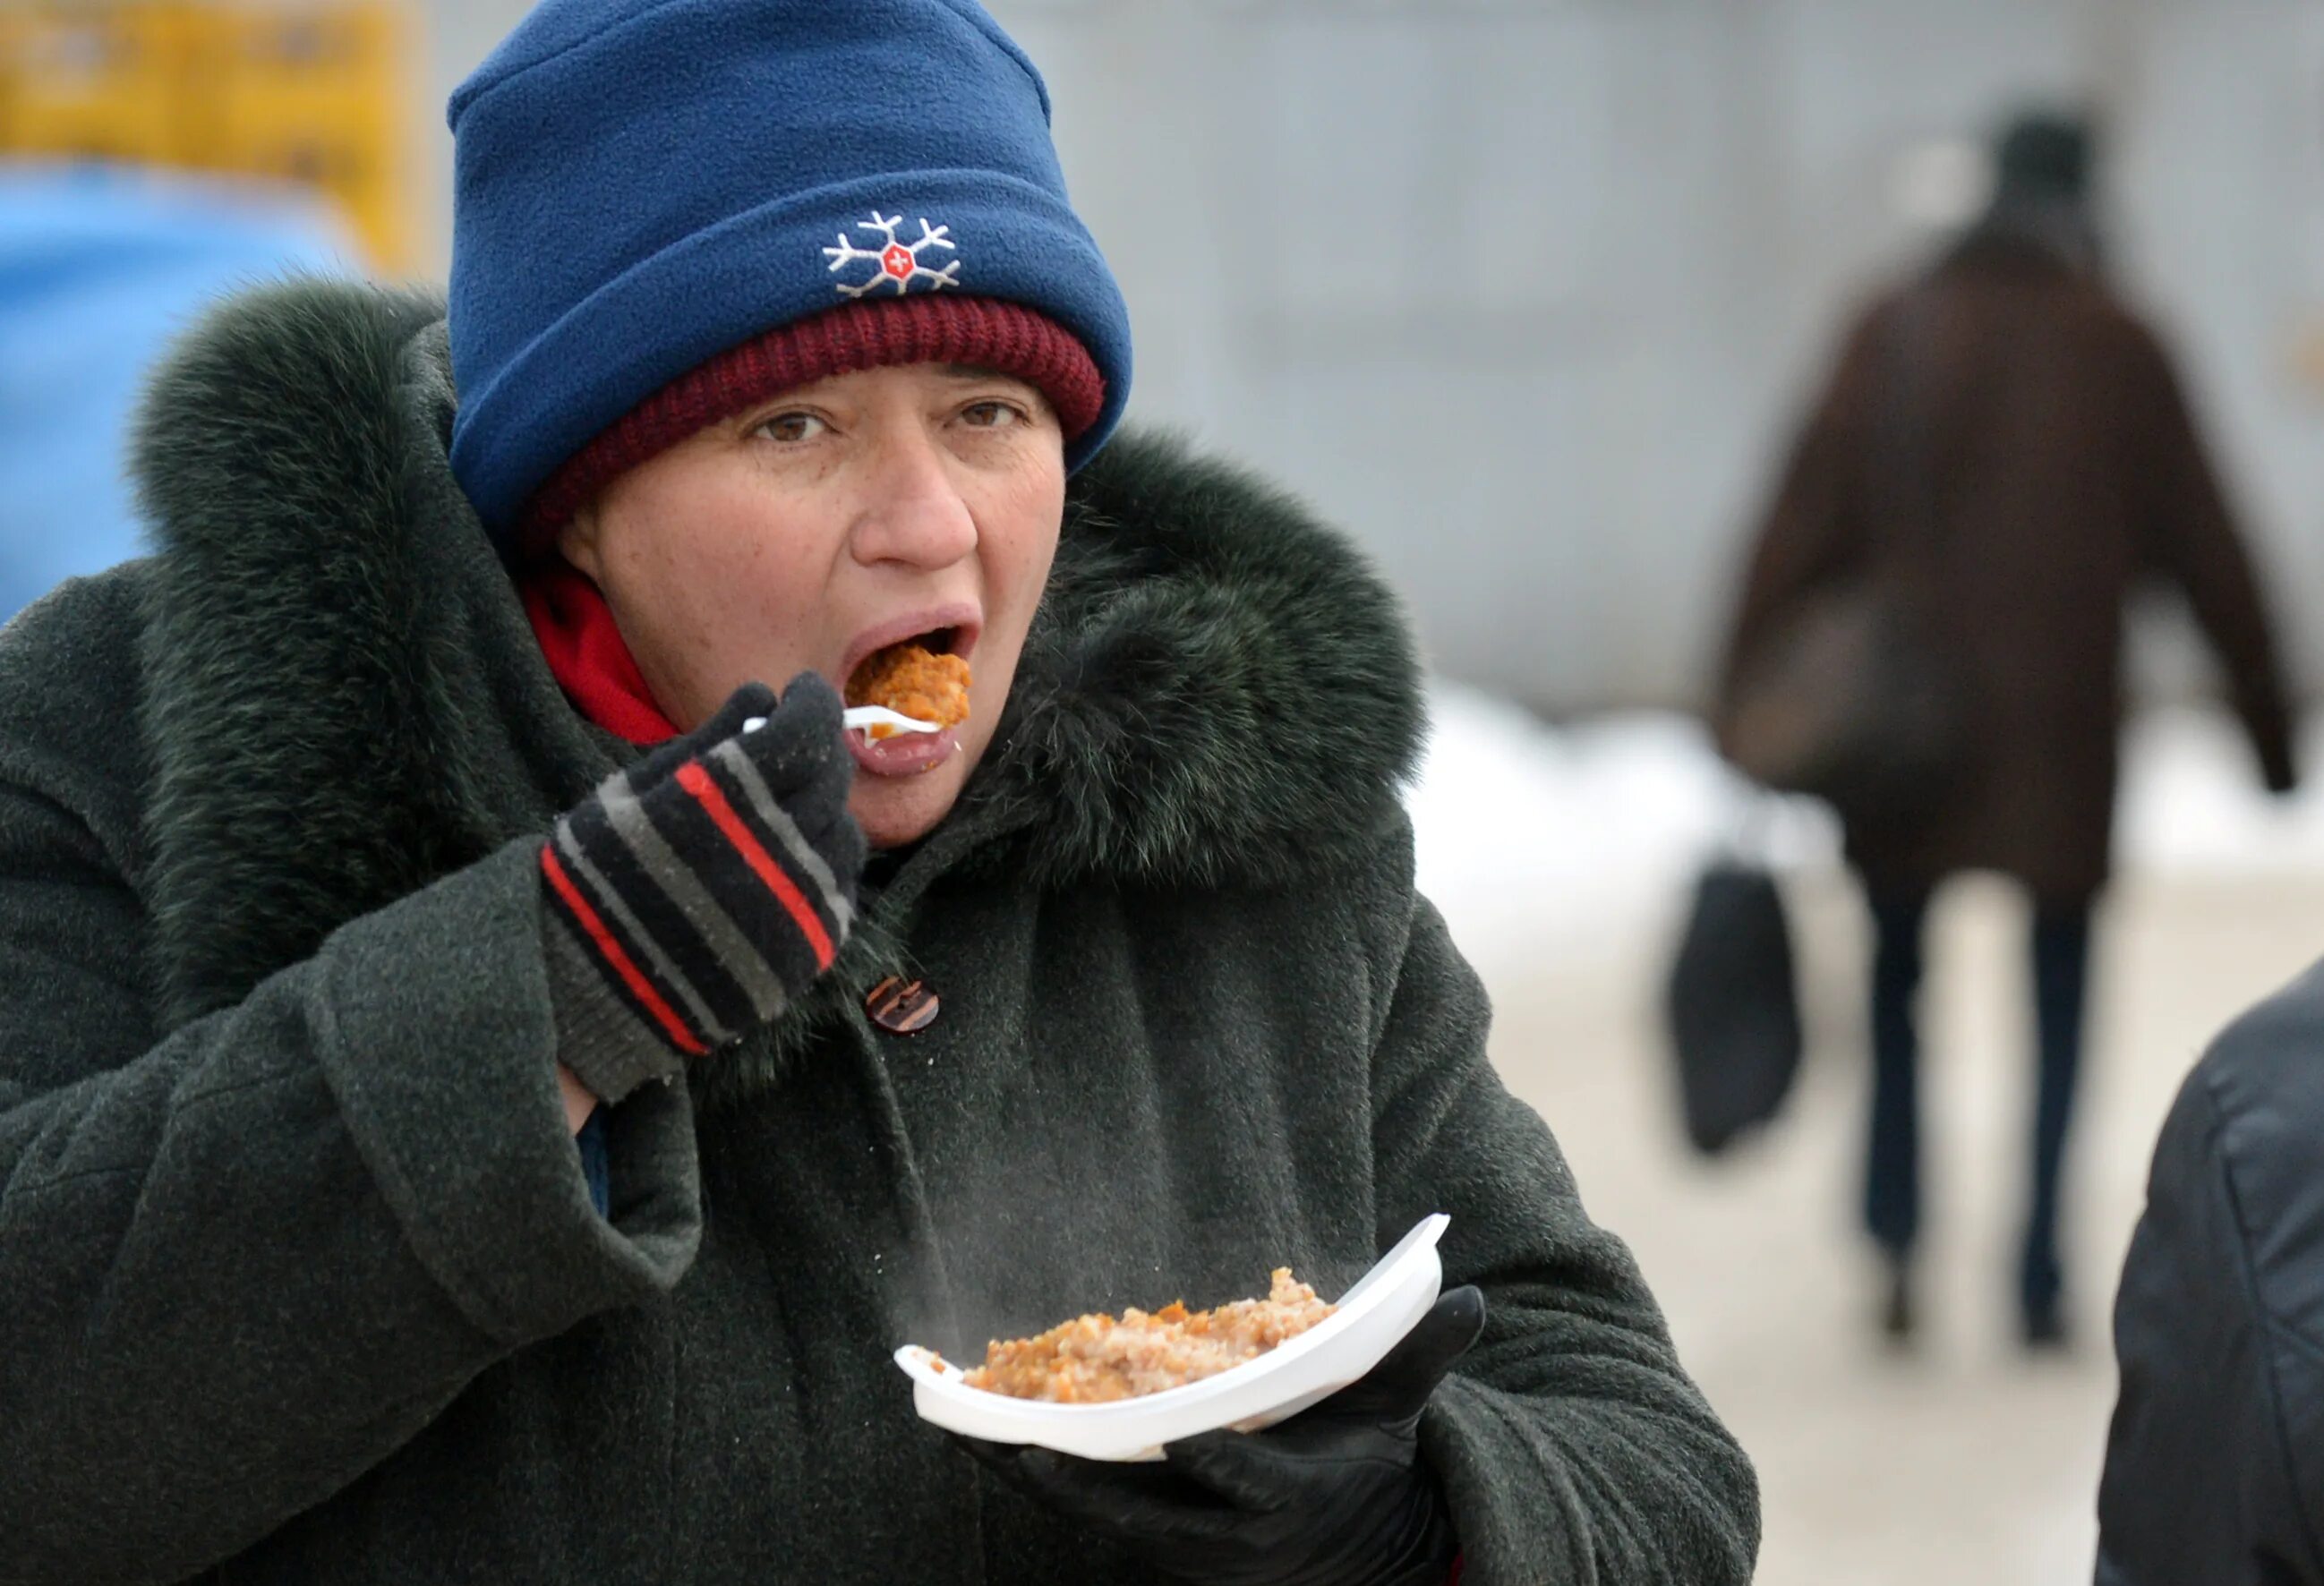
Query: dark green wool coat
300, 1279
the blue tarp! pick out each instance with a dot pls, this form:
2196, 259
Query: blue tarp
100, 267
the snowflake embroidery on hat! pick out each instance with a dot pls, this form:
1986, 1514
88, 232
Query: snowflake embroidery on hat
898, 264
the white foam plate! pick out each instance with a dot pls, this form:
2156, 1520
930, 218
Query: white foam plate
1373, 1316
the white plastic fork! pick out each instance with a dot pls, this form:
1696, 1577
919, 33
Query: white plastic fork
862, 718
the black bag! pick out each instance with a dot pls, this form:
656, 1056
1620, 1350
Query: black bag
1732, 1003
1849, 698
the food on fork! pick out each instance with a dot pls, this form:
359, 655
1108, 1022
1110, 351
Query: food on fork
912, 680
1096, 1359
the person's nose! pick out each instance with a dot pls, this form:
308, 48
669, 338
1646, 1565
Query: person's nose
915, 514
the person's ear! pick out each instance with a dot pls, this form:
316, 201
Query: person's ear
578, 542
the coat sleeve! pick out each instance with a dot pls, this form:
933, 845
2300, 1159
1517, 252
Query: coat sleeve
1812, 528
2212, 1469
1571, 1442
248, 1259
2190, 539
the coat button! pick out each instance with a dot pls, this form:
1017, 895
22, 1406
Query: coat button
901, 1006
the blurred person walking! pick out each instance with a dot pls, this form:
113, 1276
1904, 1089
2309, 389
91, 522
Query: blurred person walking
2002, 453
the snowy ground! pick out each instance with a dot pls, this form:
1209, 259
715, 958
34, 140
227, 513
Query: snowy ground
1587, 835
1562, 857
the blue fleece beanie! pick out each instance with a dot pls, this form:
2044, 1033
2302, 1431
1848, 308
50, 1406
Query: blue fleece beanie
639, 184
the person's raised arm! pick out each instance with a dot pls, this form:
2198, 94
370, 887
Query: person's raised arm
250, 1257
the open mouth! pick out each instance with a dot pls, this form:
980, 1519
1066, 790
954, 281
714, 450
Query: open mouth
924, 677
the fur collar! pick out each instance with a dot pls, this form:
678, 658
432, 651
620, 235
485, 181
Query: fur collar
345, 702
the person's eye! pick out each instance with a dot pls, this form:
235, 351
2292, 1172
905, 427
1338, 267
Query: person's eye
993, 415
790, 428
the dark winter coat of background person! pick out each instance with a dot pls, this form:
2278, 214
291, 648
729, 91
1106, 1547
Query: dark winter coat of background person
2067, 469
2215, 1465
303, 1277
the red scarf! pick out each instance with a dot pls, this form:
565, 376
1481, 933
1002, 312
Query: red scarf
587, 654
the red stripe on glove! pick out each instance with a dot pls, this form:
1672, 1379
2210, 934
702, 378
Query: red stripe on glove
697, 782
631, 976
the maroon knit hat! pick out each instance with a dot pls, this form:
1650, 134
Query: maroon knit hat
932, 328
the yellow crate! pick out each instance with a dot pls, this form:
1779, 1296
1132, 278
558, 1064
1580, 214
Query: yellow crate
100, 81
335, 72
371, 193
319, 97
316, 92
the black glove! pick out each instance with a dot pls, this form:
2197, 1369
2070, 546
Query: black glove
1336, 1496
697, 893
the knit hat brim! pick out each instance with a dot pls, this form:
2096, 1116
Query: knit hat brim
929, 327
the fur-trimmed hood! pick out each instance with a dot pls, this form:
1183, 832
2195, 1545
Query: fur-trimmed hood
345, 702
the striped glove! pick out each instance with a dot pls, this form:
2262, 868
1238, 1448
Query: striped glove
696, 893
